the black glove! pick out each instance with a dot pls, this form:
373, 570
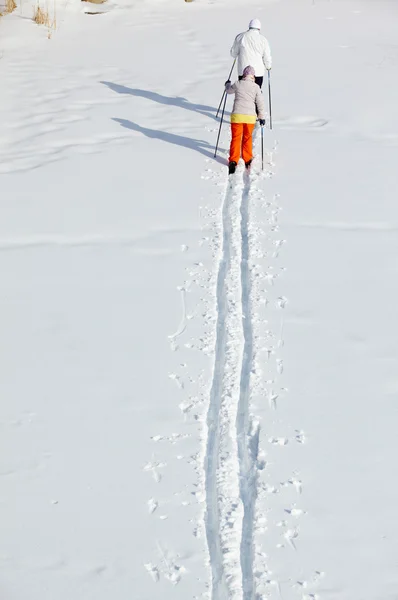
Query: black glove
228, 82
262, 122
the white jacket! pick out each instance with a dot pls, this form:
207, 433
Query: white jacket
251, 48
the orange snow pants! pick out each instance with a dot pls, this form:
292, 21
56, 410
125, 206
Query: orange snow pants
241, 143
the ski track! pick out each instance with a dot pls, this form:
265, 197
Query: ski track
220, 505
231, 478
212, 520
247, 444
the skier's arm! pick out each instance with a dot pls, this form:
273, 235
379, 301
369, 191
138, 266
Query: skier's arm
260, 104
236, 47
267, 58
230, 88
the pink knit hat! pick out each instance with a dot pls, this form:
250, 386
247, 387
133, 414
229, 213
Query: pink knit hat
249, 71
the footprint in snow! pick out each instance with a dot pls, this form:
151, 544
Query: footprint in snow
152, 505
152, 467
270, 489
300, 437
281, 302
177, 379
297, 484
279, 441
153, 571
291, 536
272, 398
294, 511
175, 573
172, 571
173, 438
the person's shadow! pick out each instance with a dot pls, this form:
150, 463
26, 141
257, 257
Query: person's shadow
160, 99
198, 145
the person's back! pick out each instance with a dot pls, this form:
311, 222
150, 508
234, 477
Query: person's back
248, 98
252, 48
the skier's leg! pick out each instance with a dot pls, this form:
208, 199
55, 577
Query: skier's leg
247, 146
236, 142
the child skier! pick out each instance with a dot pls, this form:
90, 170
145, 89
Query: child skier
248, 101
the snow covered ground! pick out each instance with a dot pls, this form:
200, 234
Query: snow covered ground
198, 376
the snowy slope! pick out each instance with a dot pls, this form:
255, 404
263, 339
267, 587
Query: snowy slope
198, 376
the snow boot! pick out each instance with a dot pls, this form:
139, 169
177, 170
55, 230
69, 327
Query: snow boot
232, 167
248, 163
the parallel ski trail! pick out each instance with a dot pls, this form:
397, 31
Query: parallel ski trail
247, 440
212, 517
232, 440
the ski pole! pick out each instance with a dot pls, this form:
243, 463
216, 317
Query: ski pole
219, 131
222, 98
269, 99
262, 148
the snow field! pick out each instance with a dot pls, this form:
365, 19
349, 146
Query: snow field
198, 378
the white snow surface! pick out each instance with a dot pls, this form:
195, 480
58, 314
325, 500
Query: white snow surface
198, 375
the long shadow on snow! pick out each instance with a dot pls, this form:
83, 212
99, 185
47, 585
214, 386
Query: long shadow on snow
172, 138
160, 99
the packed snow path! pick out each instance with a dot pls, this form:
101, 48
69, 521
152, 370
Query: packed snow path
233, 437
247, 435
213, 518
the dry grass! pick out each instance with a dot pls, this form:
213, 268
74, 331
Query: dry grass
41, 16
95, 1
9, 6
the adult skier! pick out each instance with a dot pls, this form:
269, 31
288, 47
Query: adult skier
249, 101
252, 48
